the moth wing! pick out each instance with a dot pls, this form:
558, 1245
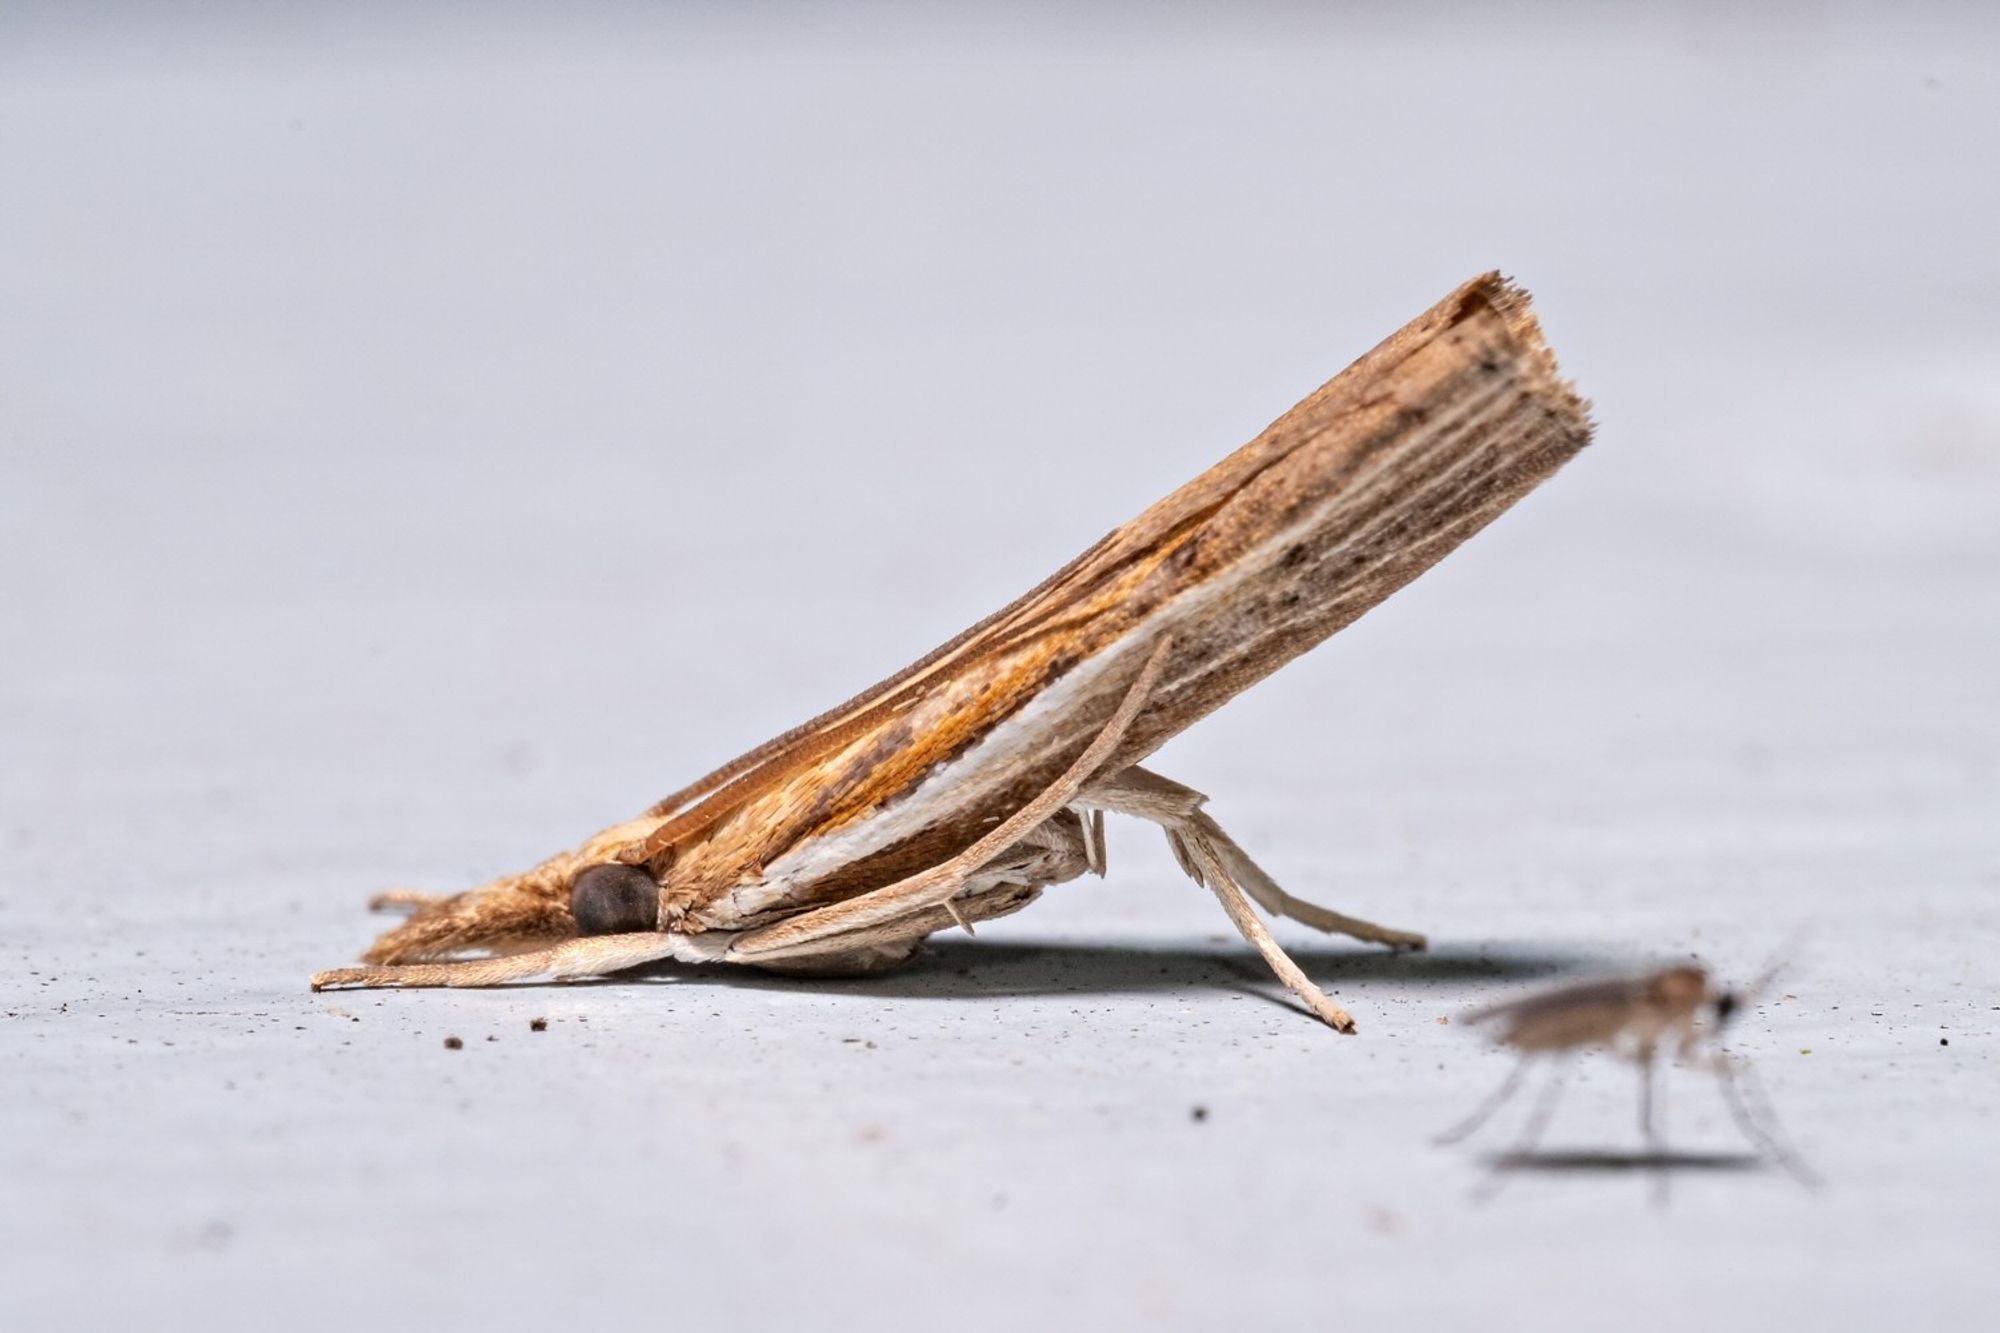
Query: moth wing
1378, 491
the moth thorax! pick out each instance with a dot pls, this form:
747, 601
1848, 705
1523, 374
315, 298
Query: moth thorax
614, 900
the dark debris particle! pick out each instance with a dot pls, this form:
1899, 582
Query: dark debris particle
538, 1025
1944, 1041
453, 1044
1198, 1114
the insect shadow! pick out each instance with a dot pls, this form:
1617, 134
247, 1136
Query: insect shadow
1000, 969
1589, 1161
1643, 1018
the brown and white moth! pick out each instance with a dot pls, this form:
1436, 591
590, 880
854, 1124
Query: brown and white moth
962, 786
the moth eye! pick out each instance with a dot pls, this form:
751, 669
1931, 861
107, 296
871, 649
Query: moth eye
614, 900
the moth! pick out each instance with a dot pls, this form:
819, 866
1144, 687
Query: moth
959, 788
1671, 1011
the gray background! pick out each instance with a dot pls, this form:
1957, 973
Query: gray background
428, 435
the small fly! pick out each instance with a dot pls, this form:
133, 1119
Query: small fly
1676, 1011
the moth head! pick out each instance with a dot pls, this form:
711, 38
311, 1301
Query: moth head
614, 900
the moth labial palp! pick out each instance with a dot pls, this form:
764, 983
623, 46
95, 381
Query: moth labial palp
960, 788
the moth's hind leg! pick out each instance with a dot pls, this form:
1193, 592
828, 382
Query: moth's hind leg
1178, 810
1274, 899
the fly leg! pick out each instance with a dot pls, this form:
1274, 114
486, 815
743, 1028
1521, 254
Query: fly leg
1751, 1110
1496, 1099
1649, 1128
1531, 1132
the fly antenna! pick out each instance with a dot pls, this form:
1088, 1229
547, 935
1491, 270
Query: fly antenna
1774, 967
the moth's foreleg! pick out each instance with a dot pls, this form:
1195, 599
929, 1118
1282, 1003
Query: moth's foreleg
1092, 835
1178, 810
933, 888
590, 957
889, 944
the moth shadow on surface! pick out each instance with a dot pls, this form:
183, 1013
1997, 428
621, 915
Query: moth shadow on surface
999, 969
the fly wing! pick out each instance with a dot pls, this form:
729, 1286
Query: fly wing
1562, 1017
1344, 499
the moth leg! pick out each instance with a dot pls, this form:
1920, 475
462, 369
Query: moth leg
591, 956
1274, 899
1051, 853
1147, 795
1203, 860
879, 948
930, 889
1093, 841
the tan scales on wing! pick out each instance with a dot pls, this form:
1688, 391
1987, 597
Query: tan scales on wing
1345, 498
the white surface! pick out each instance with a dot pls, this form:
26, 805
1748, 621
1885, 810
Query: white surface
425, 442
